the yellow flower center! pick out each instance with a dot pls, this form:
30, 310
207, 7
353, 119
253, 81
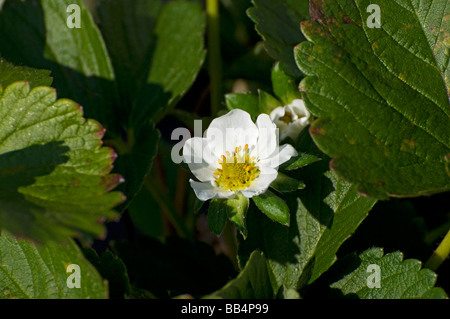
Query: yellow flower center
287, 118
238, 170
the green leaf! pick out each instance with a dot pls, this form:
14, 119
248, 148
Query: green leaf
399, 279
267, 103
78, 58
253, 281
10, 74
54, 174
278, 22
217, 215
113, 270
322, 217
284, 86
284, 183
237, 210
29, 271
381, 94
247, 102
273, 206
176, 59
288, 293
300, 161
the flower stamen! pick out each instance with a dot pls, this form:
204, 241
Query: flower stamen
238, 170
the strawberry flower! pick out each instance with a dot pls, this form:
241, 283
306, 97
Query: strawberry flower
235, 156
291, 119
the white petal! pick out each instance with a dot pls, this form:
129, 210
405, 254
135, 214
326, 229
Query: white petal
283, 154
277, 113
267, 136
294, 129
207, 190
231, 130
200, 159
299, 108
261, 183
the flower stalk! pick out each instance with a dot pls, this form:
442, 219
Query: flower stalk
440, 254
215, 62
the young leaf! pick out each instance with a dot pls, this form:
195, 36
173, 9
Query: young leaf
300, 161
246, 102
322, 217
237, 211
381, 94
284, 183
10, 74
253, 281
267, 103
273, 206
278, 22
54, 174
287, 293
284, 86
398, 278
29, 271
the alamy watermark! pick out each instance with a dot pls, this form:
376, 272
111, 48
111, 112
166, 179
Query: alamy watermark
74, 19
374, 279
374, 20
74, 280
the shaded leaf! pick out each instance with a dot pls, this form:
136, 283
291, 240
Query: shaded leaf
217, 215
252, 282
113, 270
10, 74
278, 22
175, 267
148, 221
78, 58
180, 28
128, 29
135, 159
399, 278
54, 174
389, 85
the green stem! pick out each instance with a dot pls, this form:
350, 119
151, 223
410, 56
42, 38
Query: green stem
442, 252
215, 66
167, 209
